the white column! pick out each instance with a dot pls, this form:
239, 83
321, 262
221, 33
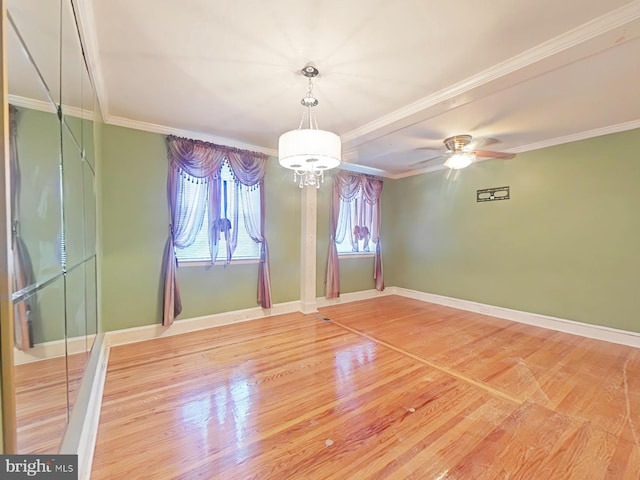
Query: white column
308, 302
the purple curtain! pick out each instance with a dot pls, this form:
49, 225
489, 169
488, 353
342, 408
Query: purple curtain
355, 211
22, 268
199, 163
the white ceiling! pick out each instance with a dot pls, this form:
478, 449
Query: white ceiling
396, 77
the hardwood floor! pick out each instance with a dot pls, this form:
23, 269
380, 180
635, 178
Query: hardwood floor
390, 388
43, 389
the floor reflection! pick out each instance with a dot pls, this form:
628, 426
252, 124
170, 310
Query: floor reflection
231, 402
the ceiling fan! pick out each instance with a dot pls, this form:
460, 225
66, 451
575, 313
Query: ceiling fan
460, 155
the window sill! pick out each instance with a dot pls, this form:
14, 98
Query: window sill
356, 255
220, 263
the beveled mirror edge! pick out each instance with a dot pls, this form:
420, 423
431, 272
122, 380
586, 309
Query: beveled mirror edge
9, 424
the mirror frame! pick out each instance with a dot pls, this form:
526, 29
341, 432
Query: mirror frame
9, 423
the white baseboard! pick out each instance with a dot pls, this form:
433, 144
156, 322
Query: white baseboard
597, 332
308, 307
89, 429
352, 297
148, 332
82, 431
53, 349
90, 432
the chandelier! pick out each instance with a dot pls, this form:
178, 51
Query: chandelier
309, 152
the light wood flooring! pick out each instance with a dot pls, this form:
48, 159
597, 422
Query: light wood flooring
44, 391
390, 388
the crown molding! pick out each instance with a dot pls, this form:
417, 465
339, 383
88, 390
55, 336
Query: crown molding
165, 130
89, 37
587, 31
356, 168
609, 21
575, 137
25, 102
413, 173
48, 107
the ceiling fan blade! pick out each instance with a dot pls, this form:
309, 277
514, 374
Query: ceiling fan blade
486, 154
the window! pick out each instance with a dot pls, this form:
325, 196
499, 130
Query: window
356, 203
346, 247
356, 221
246, 248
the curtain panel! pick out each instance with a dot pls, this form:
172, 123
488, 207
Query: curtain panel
22, 267
200, 163
355, 211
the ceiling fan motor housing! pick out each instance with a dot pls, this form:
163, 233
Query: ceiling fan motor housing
457, 142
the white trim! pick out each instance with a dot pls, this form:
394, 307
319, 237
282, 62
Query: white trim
420, 171
356, 255
121, 337
165, 130
48, 107
353, 297
308, 307
587, 31
308, 250
575, 137
608, 22
357, 168
89, 430
25, 102
53, 349
597, 332
56, 348
148, 332
220, 263
89, 37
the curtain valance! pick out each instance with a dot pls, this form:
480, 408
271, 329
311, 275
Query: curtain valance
349, 185
203, 160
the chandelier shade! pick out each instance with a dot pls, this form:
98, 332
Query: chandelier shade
309, 152
309, 149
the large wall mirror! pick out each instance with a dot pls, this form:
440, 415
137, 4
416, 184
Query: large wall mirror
53, 216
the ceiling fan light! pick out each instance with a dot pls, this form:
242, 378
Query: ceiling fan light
460, 160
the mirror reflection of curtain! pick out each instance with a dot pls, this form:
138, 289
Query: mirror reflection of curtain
23, 270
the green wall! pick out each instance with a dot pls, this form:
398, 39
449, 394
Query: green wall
38, 148
565, 244
134, 226
39, 154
